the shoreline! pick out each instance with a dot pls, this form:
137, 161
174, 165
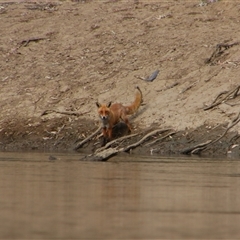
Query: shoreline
66, 135
56, 62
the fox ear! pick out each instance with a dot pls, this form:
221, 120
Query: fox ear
98, 104
109, 104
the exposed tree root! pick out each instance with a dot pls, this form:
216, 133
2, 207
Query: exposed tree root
189, 87
221, 99
161, 138
48, 111
202, 146
80, 144
25, 42
116, 141
105, 154
219, 50
142, 140
197, 148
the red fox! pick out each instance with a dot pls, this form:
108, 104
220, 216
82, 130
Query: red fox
110, 114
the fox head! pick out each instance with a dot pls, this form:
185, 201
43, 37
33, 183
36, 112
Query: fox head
104, 111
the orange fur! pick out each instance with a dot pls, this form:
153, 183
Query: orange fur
110, 114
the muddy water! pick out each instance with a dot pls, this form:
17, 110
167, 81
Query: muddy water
123, 198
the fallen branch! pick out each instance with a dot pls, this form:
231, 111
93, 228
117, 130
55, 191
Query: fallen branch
80, 144
161, 138
134, 145
102, 156
198, 147
202, 146
25, 42
214, 75
43, 6
63, 112
107, 153
230, 95
115, 141
189, 87
234, 122
234, 138
232, 104
219, 50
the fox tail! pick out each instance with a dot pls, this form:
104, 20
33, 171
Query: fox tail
136, 103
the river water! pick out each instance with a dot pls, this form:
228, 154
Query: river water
124, 198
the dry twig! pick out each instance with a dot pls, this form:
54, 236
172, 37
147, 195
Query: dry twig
80, 144
74, 113
202, 146
161, 138
219, 99
25, 42
196, 148
219, 50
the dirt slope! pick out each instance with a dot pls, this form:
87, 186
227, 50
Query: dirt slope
64, 56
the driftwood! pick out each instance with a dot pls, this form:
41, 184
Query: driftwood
221, 99
202, 146
102, 156
107, 153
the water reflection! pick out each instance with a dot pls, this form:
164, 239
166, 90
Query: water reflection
123, 198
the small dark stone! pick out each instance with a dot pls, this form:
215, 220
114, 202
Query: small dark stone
52, 158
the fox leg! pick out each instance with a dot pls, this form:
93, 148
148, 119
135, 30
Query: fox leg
105, 134
104, 142
109, 133
125, 119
